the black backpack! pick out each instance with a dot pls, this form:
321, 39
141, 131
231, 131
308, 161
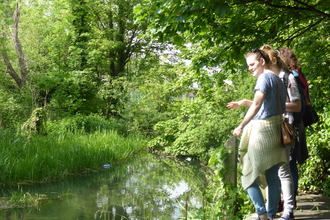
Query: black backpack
297, 116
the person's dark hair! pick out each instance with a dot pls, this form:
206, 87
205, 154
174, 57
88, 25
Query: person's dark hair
259, 54
290, 59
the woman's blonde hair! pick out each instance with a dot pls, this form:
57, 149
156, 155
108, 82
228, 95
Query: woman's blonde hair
275, 59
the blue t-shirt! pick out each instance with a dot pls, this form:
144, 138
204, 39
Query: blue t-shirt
266, 83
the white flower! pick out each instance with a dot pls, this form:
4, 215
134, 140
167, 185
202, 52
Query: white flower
228, 82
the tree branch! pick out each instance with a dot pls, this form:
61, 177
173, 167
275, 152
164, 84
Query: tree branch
312, 8
295, 8
306, 8
18, 48
303, 30
11, 70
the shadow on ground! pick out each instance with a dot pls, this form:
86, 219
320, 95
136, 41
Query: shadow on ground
309, 206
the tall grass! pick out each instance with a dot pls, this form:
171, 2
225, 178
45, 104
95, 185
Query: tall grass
55, 156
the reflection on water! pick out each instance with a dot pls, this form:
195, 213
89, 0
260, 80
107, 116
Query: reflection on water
147, 187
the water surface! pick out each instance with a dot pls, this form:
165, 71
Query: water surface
145, 187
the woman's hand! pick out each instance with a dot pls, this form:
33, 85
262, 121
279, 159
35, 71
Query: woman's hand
238, 131
234, 105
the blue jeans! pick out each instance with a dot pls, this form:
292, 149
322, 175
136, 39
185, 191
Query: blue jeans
273, 193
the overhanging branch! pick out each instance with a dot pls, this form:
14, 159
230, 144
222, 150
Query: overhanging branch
312, 8
303, 30
307, 7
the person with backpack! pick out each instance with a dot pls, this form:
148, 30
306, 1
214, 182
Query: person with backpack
293, 105
299, 152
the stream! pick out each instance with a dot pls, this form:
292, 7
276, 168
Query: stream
145, 187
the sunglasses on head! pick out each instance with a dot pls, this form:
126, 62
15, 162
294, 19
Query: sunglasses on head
258, 51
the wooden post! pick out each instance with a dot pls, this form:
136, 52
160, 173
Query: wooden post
231, 169
231, 161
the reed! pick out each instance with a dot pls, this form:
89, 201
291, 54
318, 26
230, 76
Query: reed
20, 199
56, 156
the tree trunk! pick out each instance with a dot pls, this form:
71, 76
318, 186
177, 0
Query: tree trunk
19, 79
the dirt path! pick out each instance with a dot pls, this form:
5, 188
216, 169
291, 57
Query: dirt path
309, 206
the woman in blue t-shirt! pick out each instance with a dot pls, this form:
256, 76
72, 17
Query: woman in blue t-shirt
261, 151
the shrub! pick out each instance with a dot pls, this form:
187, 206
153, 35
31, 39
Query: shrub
203, 122
11, 111
198, 128
314, 173
86, 124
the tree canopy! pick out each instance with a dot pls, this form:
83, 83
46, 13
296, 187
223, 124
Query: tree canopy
239, 24
234, 27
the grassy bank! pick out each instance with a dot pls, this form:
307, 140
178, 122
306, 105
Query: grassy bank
49, 157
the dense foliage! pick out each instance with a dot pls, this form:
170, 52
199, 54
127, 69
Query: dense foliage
225, 30
164, 68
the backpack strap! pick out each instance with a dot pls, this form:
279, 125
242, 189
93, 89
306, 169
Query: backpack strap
286, 82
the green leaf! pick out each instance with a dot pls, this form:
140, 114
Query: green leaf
221, 9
